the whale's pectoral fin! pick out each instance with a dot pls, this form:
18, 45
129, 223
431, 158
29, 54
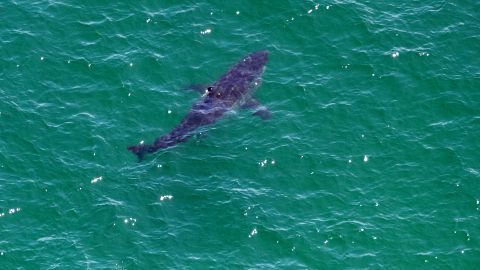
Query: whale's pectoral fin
200, 88
264, 113
260, 110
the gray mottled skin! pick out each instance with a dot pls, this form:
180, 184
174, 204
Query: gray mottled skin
234, 88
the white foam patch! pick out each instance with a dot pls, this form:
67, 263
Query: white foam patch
131, 221
206, 31
12, 211
166, 197
253, 233
263, 163
96, 179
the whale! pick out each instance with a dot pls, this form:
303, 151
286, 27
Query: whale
234, 89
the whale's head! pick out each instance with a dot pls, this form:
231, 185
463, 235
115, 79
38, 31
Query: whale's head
240, 81
256, 61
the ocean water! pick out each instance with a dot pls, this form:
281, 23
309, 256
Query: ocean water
370, 161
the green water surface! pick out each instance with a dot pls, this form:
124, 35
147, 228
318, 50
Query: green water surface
370, 161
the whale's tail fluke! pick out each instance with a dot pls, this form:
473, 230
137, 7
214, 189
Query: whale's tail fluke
140, 150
